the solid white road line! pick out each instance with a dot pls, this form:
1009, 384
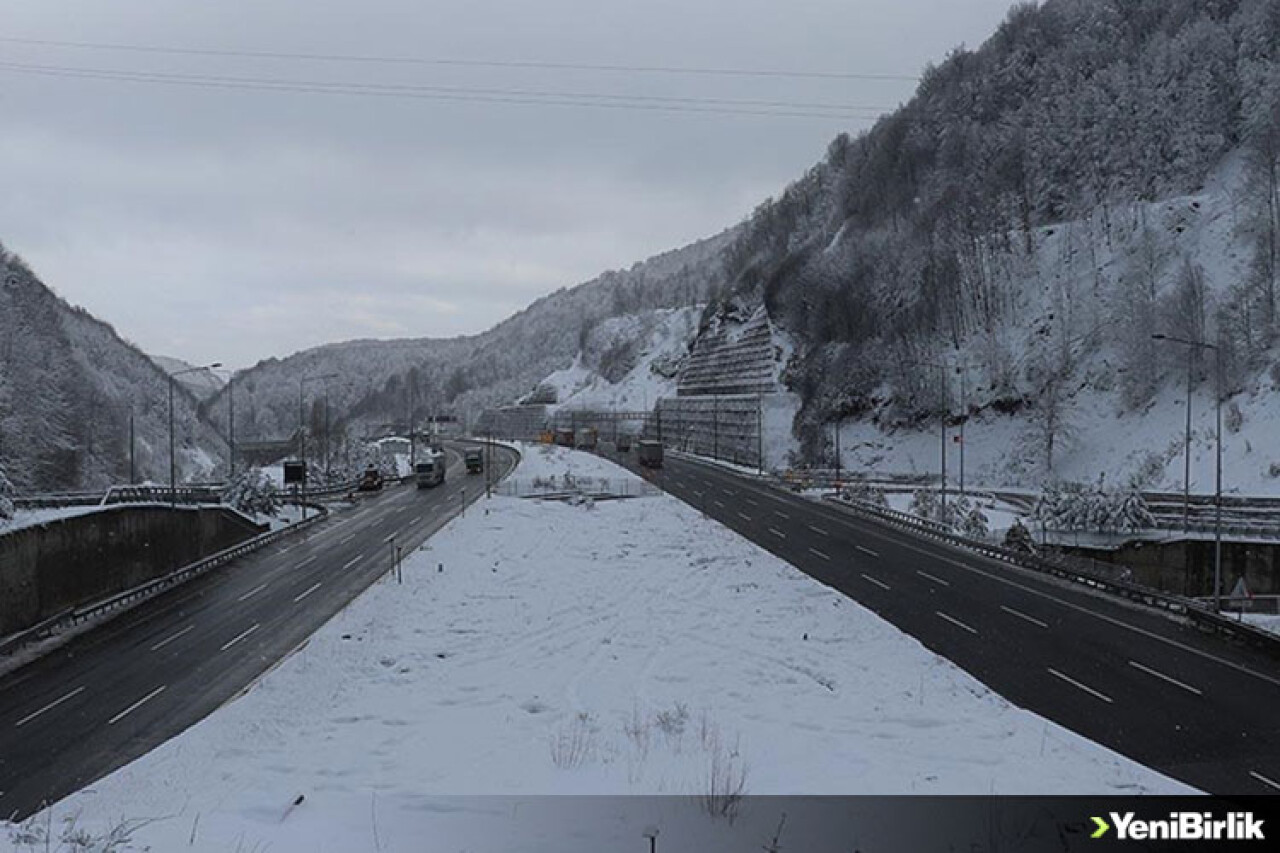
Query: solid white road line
308, 591
232, 642
776, 532
1149, 671
135, 706
1033, 620
1086, 688
878, 583
819, 530
55, 703
867, 551
169, 639
818, 553
353, 562
933, 578
1264, 780
251, 593
956, 622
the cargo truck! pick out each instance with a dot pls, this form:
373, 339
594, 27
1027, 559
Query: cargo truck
649, 453
474, 458
430, 471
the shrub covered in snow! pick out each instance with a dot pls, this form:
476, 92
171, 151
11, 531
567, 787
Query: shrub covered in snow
1018, 538
866, 492
1075, 507
6, 496
252, 492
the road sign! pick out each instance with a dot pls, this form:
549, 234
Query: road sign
295, 471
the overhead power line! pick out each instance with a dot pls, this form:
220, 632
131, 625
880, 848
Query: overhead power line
729, 106
465, 63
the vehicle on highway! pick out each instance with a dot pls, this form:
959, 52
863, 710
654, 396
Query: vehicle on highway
586, 438
649, 453
564, 437
429, 471
474, 458
623, 443
370, 480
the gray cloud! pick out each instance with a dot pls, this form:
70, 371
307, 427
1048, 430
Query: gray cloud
233, 225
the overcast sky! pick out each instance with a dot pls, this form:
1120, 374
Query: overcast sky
219, 222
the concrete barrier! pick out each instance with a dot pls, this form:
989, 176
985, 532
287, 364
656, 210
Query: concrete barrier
49, 568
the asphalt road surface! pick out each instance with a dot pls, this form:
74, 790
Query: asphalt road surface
115, 692
1194, 706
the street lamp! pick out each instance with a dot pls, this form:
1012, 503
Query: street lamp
1192, 346
302, 433
942, 372
231, 425
173, 468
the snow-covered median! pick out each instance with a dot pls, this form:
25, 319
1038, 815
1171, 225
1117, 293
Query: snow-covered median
628, 646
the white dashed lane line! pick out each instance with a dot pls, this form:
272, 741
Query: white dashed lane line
1033, 620
353, 562
251, 593
55, 703
1175, 682
238, 638
307, 562
135, 706
815, 552
307, 592
1264, 780
868, 551
169, 639
956, 622
782, 515
744, 516
878, 583
819, 530
933, 578
1086, 688
776, 532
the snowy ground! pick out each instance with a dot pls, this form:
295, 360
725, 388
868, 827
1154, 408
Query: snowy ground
32, 517
1265, 621
625, 647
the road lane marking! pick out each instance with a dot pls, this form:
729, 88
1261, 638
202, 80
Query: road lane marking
308, 561
237, 639
344, 540
389, 538
308, 591
1033, 620
135, 706
353, 562
169, 639
776, 532
933, 578
717, 503
1149, 671
818, 553
878, 583
697, 494
1086, 688
753, 503
744, 516
782, 514
868, 551
55, 703
819, 530
956, 622
251, 593
726, 492
1264, 780
417, 520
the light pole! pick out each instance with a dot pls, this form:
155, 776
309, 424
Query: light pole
302, 433
1192, 346
231, 425
942, 419
173, 467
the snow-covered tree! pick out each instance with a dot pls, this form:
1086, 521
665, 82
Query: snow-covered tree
1018, 538
252, 492
6, 495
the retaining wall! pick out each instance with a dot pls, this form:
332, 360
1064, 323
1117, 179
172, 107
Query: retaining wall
49, 568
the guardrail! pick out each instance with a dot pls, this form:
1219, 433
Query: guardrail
1070, 568
76, 615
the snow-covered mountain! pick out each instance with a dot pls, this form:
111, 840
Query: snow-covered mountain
68, 388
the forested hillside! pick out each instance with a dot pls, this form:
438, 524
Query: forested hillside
1006, 221
68, 384
384, 381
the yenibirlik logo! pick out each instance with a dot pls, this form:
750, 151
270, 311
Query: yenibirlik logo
1182, 826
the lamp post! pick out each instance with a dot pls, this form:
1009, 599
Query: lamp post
1192, 346
942, 419
302, 433
173, 467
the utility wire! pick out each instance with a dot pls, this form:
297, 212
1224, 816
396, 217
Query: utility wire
465, 63
520, 96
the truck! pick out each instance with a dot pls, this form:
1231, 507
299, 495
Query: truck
370, 480
429, 471
623, 443
564, 437
586, 438
474, 457
649, 453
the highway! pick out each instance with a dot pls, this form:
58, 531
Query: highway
115, 692
1193, 706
